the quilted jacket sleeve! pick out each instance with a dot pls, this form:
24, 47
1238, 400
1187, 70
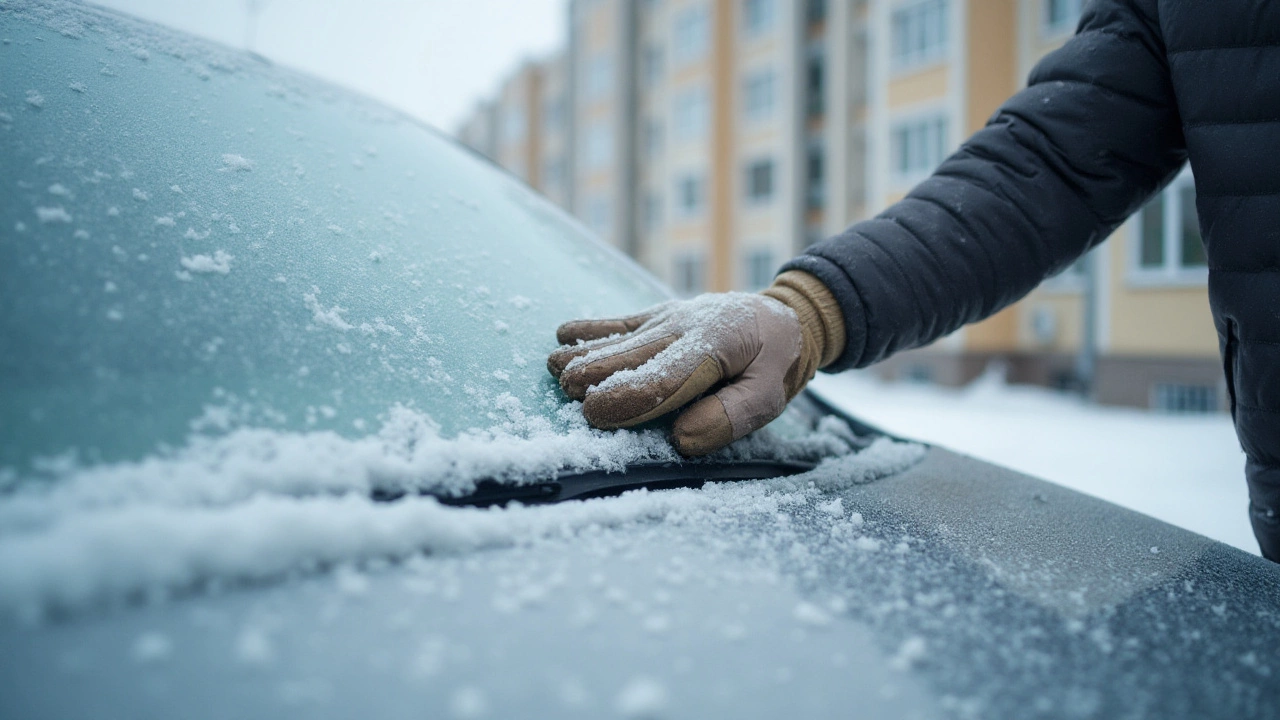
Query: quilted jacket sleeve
1057, 168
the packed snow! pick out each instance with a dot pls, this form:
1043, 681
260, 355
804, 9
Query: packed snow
1187, 470
57, 214
255, 503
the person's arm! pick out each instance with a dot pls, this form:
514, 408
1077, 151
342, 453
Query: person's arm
1058, 167
1055, 171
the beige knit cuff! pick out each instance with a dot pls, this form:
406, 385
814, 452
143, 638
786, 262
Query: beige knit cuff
817, 309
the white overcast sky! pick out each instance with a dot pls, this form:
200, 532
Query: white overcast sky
431, 58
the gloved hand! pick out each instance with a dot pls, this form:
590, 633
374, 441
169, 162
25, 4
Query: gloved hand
767, 346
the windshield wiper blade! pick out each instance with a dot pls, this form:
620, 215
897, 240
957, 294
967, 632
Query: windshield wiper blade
654, 475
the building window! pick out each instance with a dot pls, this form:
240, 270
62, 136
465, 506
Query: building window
760, 269
598, 211
690, 194
815, 11
513, 125
691, 35
919, 33
1176, 397
652, 138
760, 181
815, 81
652, 211
651, 65
691, 115
598, 152
1061, 16
918, 146
1168, 237
757, 17
599, 76
689, 273
815, 177
757, 95
553, 114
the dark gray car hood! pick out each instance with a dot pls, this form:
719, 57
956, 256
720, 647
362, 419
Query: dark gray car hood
953, 589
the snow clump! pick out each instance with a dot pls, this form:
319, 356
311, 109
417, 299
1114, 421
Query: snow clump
53, 214
320, 316
643, 698
219, 262
232, 162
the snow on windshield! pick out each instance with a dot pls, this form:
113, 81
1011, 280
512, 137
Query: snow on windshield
257, 503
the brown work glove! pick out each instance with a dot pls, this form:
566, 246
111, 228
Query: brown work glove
767, 346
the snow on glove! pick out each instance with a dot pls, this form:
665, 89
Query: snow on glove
763, 347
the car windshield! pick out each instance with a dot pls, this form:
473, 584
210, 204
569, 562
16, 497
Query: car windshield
216, 263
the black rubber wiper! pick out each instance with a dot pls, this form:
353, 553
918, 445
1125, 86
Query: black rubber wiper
654, 475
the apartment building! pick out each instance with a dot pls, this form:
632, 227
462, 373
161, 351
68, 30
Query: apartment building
714, 139
709, 139
1138, 305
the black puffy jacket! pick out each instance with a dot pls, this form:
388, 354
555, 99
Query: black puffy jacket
1106, 122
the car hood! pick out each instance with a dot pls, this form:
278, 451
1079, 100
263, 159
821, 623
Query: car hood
951, 589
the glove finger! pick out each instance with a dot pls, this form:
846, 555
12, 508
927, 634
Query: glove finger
560, 358
626, 353
665, 383
747, 404
576, 331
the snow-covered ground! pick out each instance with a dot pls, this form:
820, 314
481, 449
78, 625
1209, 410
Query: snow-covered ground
1187, 470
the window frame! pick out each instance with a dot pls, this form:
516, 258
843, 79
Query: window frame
690, 35
1171, 272
758, 25
934, 116
754, 83
750, 167
679, 209
902, 63
1066, 26
760, 256
699, 113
